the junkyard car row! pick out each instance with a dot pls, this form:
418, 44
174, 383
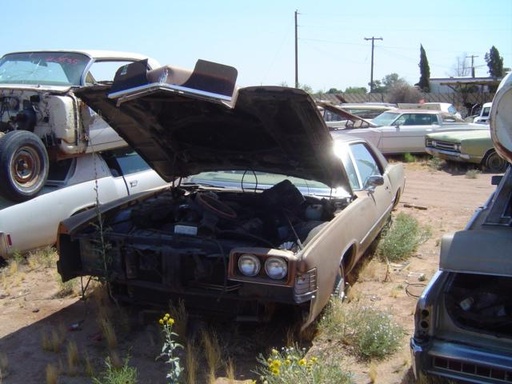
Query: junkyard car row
251, 202
399, 131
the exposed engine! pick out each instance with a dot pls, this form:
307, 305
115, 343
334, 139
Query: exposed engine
183, 240
270, 218
18, 113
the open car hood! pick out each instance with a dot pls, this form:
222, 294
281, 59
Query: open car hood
183, 123
354, 121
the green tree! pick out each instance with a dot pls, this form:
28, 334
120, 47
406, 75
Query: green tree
494, 62
378, 87
356, 90
424, 83
392, 80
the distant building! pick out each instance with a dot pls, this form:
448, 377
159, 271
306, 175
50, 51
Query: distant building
452, 84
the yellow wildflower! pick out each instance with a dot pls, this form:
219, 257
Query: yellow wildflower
161, 321
302, 362
170, 321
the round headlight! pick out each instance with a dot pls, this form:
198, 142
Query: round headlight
249, 265
276, 268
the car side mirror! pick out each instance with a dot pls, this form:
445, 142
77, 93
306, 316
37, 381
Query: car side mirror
374, 181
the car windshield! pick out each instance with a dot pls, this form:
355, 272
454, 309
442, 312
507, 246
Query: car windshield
248, 180
47, 68
385, 118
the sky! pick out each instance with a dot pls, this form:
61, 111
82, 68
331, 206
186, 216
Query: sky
258, 37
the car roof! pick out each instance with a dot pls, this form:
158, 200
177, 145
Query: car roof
411, 110
98, 54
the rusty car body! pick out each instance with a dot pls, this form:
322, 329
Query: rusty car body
266, 208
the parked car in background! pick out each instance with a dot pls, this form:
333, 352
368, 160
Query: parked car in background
483, 116
402, 130
474, 147
462, 320
41, 119
447, 110
366, 111
266, 209
74, 185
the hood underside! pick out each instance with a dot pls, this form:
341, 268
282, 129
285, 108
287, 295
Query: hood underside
181, 133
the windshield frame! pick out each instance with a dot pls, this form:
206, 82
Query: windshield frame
386, 118
58, 68
258, 181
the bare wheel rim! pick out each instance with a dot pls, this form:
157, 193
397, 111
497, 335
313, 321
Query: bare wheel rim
26, 166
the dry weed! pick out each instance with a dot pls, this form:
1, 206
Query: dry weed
52, 374
73, 358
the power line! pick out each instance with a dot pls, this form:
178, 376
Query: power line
373, 46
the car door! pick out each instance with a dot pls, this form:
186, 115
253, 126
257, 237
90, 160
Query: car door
407, 134
375, 200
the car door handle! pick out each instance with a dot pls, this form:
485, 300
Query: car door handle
133, 183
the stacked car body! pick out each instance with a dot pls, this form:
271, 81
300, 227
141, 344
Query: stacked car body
57, 156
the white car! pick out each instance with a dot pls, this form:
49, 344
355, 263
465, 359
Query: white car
483, 116
74, 185
401, 130
41, 119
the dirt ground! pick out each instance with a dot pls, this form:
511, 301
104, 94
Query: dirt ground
39, 329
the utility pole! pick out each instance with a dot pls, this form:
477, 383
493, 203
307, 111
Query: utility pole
472, 66
373, 46
296, 52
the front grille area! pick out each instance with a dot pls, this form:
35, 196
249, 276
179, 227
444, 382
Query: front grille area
472, 369
439, 144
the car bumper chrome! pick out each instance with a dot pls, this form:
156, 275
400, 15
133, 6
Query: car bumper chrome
452, 156
462, 362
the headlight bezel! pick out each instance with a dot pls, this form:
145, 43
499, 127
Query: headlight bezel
256, 261
287, 259
271, 262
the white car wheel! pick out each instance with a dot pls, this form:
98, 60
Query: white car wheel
24, 165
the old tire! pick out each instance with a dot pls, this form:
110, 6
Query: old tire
494, 163
24, 165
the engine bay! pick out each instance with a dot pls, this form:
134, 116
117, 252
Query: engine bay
272, 218
182, 237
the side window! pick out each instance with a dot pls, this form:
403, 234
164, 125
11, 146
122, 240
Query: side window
402, 120
365, 163
125, 162
59, 170
352, 173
